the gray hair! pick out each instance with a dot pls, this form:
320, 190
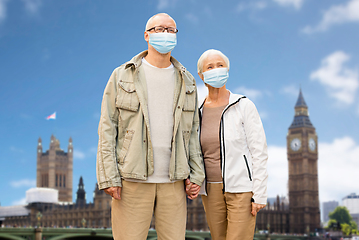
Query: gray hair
149, 22
207, 54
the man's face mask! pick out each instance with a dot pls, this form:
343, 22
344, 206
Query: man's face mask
163, 42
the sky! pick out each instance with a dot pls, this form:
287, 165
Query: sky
58, 56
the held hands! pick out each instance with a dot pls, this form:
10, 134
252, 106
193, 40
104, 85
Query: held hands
256, 207
114, 192
192, 189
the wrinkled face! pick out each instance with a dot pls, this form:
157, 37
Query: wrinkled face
160, 20
212, 62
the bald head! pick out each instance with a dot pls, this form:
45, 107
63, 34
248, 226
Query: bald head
152, 21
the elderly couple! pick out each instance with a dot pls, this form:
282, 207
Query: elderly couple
157, 144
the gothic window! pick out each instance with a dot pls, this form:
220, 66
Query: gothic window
64, 181
60, 180
56, 178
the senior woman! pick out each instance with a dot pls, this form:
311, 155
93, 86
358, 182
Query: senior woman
235, 154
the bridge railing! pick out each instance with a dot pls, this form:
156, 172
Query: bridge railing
66, 233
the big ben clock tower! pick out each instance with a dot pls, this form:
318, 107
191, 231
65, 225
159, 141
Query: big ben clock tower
302, 151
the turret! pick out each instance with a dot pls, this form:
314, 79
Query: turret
81, 194
39, 147
70, 147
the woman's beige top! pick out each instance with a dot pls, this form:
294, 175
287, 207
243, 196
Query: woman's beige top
210, 144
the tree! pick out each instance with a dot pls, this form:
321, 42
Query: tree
341, 215
346, 229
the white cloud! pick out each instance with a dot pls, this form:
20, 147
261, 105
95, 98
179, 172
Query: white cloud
23, 183
257, 5
338, 168
252, 94
297, 4
341, 82
202, 92
21, 201
93, 150
192, 18
277, 171
2, 10
336, 15
164, 4
15, 149
97, 116
290, 90
79, 154
32, 6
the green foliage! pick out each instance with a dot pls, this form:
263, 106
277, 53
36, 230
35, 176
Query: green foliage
332, 224
341, 215
346, 229
353, 225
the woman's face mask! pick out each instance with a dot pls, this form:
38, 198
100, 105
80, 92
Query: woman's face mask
216, 78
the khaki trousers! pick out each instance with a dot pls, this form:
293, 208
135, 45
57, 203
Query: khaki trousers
131, 216
228, 215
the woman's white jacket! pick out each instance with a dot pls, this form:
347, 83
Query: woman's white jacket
243, 149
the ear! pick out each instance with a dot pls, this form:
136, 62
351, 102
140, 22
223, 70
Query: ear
201, 76
146, 36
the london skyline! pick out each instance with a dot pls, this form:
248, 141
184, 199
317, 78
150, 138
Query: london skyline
58, 56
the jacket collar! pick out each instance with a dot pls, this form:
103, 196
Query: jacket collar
232, 98
136, 61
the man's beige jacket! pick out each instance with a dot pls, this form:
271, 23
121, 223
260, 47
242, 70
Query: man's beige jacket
124, 147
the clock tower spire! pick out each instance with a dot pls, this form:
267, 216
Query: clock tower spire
302, 152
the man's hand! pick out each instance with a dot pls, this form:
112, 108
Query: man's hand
114, 192
192, 189
256, 207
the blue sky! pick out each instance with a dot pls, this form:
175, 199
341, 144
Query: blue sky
58, 56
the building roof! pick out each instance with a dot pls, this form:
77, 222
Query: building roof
11, 211
300, 101
301, 118
42, 195
351, 196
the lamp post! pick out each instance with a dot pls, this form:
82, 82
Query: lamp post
83, 221
268, 229
38, 216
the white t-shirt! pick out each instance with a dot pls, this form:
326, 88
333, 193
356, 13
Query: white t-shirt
160, 93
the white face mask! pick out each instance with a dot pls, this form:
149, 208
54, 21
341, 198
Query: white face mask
163, 42
216, 78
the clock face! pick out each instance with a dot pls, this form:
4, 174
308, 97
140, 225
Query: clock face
295, 144
311, 144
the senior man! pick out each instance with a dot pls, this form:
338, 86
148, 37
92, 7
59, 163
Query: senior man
148, 139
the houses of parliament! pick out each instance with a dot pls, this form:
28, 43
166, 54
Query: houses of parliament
299, 213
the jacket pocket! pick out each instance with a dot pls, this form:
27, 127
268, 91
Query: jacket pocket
125, 146
127, 97
186, 137
249, 171
190, 100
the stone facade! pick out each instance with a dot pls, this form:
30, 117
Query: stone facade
55, 167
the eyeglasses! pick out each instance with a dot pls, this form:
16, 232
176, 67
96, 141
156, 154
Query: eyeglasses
159, 29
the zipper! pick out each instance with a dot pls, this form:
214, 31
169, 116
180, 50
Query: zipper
249, 171
221, 138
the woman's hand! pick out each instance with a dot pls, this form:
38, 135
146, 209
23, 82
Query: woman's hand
192, 189
256, 207
114, 192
